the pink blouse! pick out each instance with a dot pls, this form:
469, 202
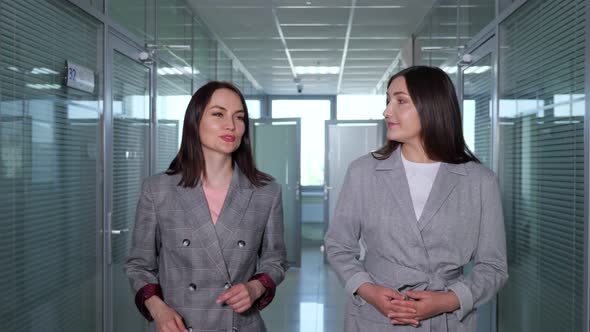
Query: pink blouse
215, 198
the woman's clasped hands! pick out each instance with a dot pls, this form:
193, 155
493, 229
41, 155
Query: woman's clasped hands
420, 305
410, 309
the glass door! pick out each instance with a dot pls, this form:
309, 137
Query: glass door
477, 90
277, 152
346, 140
128, 163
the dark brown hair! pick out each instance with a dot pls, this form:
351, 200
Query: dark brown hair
434, 97
190, 161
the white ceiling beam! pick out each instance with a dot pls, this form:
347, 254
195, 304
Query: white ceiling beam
287, 53
346, 40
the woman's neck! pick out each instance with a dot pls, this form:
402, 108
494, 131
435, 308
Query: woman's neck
415, 152
219, 171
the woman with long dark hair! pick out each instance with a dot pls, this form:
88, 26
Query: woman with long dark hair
423, 207
208, 248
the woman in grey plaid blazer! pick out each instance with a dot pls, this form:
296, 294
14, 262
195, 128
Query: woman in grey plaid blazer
423, 207
208, 249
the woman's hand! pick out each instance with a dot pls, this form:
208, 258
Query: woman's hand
166, 319
426, 304
241, 297
382, 299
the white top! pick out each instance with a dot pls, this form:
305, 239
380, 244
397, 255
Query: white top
420, 179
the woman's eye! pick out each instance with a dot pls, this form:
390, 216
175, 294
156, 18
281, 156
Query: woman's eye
401, 101
241, 118
218, 114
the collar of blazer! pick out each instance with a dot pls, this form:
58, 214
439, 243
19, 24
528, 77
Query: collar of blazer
215, 237
392, 174
395, 161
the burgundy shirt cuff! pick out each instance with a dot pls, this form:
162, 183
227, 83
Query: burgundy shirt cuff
145, 293
269, 294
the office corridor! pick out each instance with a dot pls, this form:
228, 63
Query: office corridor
311, 299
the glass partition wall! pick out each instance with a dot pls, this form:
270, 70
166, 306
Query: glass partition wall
72, 159
524, 110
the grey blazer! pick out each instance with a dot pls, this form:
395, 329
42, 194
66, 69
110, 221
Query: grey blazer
462, 222
176, 245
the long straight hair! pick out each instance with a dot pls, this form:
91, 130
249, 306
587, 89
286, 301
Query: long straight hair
434, 97
190, 161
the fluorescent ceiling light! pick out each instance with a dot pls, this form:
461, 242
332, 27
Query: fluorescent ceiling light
44, 86
317, 70
450, 70
43, 71
177, 71
477, 69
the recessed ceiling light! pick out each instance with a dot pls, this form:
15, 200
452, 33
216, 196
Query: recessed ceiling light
308, 3
315, 70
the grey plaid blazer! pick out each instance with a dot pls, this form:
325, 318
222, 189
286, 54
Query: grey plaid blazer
462, 222
176, 245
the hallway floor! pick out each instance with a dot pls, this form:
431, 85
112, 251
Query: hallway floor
311, 299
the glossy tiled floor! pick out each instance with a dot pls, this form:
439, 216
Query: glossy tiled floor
310, 299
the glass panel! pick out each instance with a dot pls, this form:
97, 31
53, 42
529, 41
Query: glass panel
224, 66
174, 94
436, 42
130, 166
313, 114
174, 38
474, 15
133, 15
505, 4
276, 152
478, 82
50, 195
347, 141
360, 107
204, 52
542, 107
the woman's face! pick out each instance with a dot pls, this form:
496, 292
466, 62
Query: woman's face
222, 125
401, 117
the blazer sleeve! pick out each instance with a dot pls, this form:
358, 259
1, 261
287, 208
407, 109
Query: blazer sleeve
490, 268
142, 264
273, 254
342, 239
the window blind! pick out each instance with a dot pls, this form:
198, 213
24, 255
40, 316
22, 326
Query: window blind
50, 199
542, 166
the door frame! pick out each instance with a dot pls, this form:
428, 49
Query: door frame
297, 262
326, 185
487, 46
118, 42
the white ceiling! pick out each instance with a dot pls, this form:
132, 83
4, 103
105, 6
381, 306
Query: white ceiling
315, 34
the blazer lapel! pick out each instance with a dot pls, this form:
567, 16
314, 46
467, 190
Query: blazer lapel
391, 173
194, 203
445, 181
234, 206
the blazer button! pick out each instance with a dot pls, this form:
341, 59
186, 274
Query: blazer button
241, 243
227, 285
186, 242
192, 287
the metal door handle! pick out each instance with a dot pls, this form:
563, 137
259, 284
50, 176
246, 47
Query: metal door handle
326, 188
119, 231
